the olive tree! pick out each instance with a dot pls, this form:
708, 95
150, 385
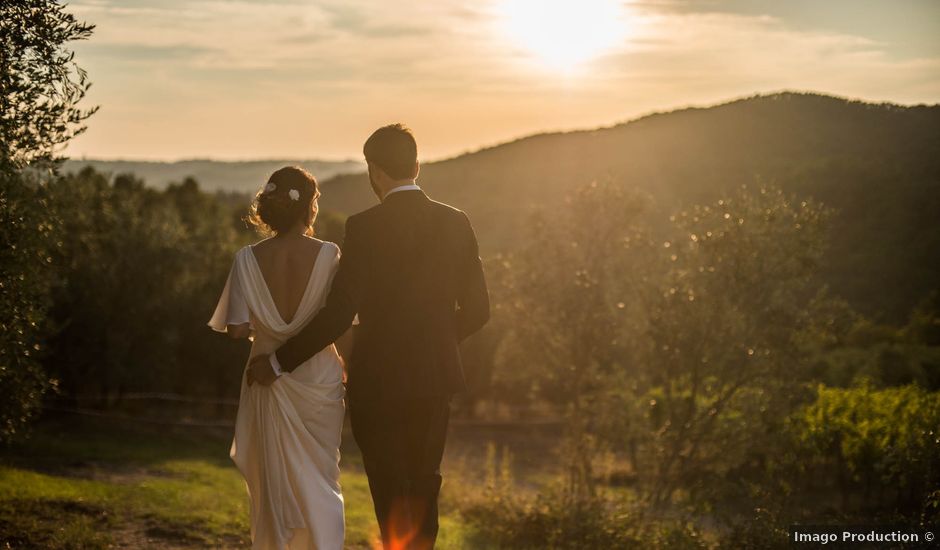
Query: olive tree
680, 346
574, 297
40, 88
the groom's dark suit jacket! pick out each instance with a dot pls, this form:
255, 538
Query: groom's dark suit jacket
410, 268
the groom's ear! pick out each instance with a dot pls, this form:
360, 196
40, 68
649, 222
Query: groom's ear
417, 169
378, 174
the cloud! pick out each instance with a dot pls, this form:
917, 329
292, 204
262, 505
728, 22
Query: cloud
239, 76
146, 53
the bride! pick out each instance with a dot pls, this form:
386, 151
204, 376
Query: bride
287, 434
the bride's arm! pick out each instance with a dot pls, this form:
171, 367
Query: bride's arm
344, 345
238, 332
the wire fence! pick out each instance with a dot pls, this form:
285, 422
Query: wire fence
166, 397
141, 419
187, 421
162, 402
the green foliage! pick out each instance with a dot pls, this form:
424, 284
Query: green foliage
25, 271
118, 265
883, 444
571, 297
683, 354
551, 521
763, 530
727, 361
887, 355
507, 517
330, 226
139, 273
924, 323
205, 363
40, 86
51, 524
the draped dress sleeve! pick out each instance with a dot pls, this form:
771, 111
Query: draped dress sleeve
232, 308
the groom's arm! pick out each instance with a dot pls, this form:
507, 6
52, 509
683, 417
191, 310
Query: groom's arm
342, 304
473, 300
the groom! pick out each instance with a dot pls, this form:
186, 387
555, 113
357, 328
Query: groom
411, 270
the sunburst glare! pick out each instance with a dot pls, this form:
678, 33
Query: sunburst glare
563, 34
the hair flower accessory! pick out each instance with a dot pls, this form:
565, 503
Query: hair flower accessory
270, 187
294, 195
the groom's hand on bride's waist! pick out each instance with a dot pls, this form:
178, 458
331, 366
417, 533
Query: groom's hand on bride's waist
261, 371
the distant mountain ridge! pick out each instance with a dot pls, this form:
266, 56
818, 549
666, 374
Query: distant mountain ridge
213, 175
878, 165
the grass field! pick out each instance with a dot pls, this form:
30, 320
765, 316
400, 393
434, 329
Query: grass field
97, 483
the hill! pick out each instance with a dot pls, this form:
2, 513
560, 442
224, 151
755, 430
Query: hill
238, 176
878, 165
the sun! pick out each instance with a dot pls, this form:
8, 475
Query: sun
563, 34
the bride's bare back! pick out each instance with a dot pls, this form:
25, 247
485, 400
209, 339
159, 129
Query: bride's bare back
286, 264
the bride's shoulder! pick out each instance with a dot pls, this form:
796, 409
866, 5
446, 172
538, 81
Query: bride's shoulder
329, 246
258, 245
322, 246
320, 242
247, 249
251, 247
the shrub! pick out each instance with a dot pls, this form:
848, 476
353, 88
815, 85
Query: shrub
876, 443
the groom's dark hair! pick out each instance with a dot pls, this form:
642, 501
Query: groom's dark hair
393, 149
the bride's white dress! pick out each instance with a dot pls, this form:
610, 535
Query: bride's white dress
287, 435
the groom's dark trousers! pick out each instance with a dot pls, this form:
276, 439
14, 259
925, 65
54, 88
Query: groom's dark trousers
402, 444
410, 268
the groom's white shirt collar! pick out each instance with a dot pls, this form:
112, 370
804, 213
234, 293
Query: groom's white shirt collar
409, 187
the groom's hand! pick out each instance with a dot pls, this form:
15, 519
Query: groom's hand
261, 371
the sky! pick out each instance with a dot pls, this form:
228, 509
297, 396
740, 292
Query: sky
182, 79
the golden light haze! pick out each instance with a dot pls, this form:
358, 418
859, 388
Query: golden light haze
311, 79
564, 35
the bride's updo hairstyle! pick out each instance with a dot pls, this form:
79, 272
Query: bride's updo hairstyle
289, 198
